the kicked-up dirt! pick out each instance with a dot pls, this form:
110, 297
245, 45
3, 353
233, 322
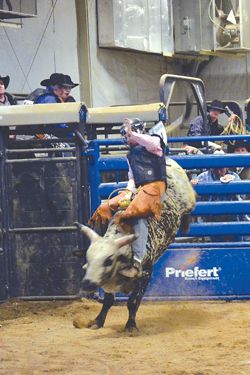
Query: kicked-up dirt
175, 338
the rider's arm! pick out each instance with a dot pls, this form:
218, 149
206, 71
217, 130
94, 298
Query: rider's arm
151, 144
131, 182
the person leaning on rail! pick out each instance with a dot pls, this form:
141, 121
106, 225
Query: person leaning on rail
58, 90
5, 97
241, 147
199, 128
223, 175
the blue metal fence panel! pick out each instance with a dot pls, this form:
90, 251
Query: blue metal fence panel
94, 177
113, 164
205, 188
221, 208
213, 161
215, 270
187, 162
213, 138
233, 228
218, 188
201, 273
210, 245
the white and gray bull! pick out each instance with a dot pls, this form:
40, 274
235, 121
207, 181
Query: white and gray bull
108, 255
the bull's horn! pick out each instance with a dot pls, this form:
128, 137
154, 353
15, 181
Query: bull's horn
126, 240
85, 266
90, 233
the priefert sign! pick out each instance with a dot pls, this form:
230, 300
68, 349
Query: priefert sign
195, 273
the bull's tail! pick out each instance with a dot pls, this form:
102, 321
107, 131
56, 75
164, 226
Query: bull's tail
185, 223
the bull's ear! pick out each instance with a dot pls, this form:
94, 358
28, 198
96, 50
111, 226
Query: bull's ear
90, 233
125, 240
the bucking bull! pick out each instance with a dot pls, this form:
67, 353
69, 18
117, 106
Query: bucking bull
108, 255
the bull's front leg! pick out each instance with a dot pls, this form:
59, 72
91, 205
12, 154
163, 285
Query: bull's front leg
99, 321
134, 301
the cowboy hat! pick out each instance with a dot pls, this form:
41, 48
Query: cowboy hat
5, 80
58, 79
238, 144
216, 105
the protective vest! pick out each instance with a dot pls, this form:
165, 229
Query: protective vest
146, 167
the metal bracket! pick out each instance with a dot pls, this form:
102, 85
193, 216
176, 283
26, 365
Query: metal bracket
167, 84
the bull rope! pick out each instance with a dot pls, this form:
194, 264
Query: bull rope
111, 195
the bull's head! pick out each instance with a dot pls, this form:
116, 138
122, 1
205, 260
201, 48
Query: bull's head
105, 256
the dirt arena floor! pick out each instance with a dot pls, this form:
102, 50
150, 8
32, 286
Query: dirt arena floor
175, 338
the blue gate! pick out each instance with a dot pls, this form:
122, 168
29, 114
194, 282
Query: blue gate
192, 270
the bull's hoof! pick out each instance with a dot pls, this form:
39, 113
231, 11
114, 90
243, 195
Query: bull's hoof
93, 324
131, 328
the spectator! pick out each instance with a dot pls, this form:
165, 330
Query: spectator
58, 88
199, 128
223, 175
5, 97
217, 174
241, 147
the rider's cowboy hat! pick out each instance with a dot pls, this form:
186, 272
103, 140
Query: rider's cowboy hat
5, 80
216, 105
59, 79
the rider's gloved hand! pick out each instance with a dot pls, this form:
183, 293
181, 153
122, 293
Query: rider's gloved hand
125, 201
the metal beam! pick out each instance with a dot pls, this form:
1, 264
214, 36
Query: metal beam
208, 188
233, 228
211, 138
25, 115
116, 115
83, 48
222, 208
218, 188
210, 245
212, 161
113, 164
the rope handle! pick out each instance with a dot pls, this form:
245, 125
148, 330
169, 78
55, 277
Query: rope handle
111, 195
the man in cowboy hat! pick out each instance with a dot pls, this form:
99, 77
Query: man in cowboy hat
241, 147
6, 98
58, 88
198, 128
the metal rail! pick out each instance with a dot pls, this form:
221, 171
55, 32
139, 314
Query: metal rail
39, 160
233, 228
211, 245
